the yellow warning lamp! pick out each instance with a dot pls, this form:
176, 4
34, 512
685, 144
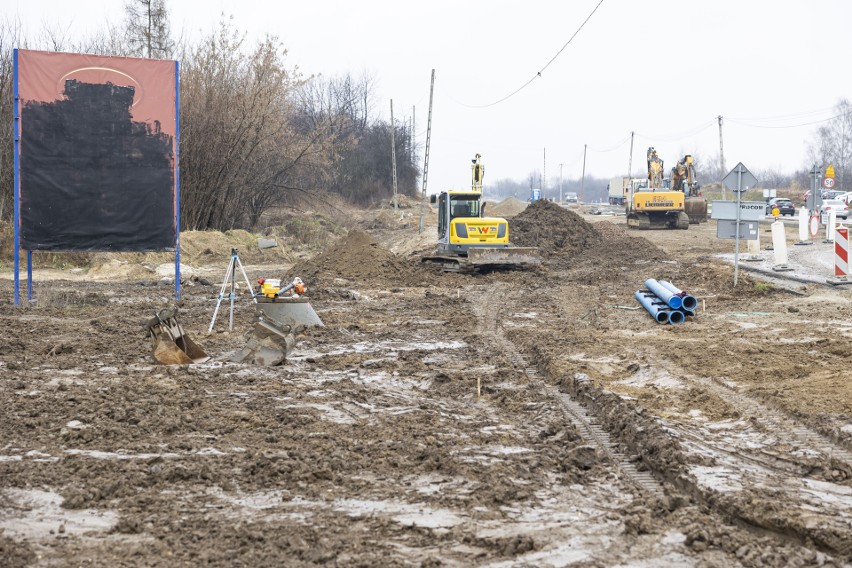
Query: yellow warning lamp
776, 212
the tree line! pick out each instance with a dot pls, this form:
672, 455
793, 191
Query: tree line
255, 133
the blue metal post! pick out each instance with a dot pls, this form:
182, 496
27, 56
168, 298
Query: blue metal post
17, 175
29, 276
177, 180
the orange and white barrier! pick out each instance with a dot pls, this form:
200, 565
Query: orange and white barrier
841, 252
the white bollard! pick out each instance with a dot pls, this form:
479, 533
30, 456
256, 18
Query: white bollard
803, 225
829, 227
779, 246
754, 248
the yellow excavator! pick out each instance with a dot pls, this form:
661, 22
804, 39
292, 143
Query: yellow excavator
684, 179
656, 206
467, 239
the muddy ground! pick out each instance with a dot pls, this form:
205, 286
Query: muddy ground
439, 419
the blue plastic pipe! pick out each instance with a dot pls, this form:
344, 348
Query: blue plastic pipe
689, 301
656, 307
676, 317
663, 293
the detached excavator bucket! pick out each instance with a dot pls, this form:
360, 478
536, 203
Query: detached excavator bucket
274, 334
289, 314
172, 345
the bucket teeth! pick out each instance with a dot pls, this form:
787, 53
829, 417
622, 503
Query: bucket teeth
171, 344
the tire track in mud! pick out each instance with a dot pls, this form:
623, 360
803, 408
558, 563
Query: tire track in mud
591, 431
778, 422
779, 496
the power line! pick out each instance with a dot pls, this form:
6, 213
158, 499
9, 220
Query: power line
741, 123
538, 74
613, 148
801, 114
681, 135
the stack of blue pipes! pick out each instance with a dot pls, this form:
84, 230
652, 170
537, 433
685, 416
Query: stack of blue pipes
665, 302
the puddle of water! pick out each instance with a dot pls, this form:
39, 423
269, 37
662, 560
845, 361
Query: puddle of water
35, 514
525, 315
409, 514
367, 347
120, 455
720, 479
329, 412
649, 377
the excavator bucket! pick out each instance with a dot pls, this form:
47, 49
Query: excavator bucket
288, 313
504, 257
696, 209
171, 344
274, 335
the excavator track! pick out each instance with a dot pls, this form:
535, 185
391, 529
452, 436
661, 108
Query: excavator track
585, 424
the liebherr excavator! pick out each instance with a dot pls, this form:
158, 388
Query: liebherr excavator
672, 203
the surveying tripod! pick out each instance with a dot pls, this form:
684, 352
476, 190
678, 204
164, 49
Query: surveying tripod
231, 276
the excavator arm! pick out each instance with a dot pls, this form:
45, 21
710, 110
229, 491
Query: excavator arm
683, 177
655, 169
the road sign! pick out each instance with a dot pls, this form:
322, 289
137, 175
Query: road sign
813, 225
828, 183
829, 171
749, 210
727, 229
739, 178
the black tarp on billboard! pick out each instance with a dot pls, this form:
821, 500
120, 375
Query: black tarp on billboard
92, 177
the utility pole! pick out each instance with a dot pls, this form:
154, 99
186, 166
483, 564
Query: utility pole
413, 145
629, 196
583, 179
426, 153
560, 183
630, 163
721, 156
393, 157
543, 173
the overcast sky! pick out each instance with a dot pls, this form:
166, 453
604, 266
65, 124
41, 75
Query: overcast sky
663, 69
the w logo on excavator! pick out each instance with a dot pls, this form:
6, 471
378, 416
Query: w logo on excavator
484, 230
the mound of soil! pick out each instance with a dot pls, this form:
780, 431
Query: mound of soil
556, 231
357, 257
509, 207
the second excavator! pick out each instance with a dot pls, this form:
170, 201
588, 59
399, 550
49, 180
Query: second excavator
672, 203
684, 179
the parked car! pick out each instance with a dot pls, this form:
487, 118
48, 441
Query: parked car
845, 197
571, 198
831, 194
784, 204
840, 208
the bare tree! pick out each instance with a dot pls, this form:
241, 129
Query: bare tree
240, 150
10, 38
832, 143
148, 30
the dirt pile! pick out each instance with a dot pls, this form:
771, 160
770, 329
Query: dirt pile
357, 257
509, 207
556, 231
